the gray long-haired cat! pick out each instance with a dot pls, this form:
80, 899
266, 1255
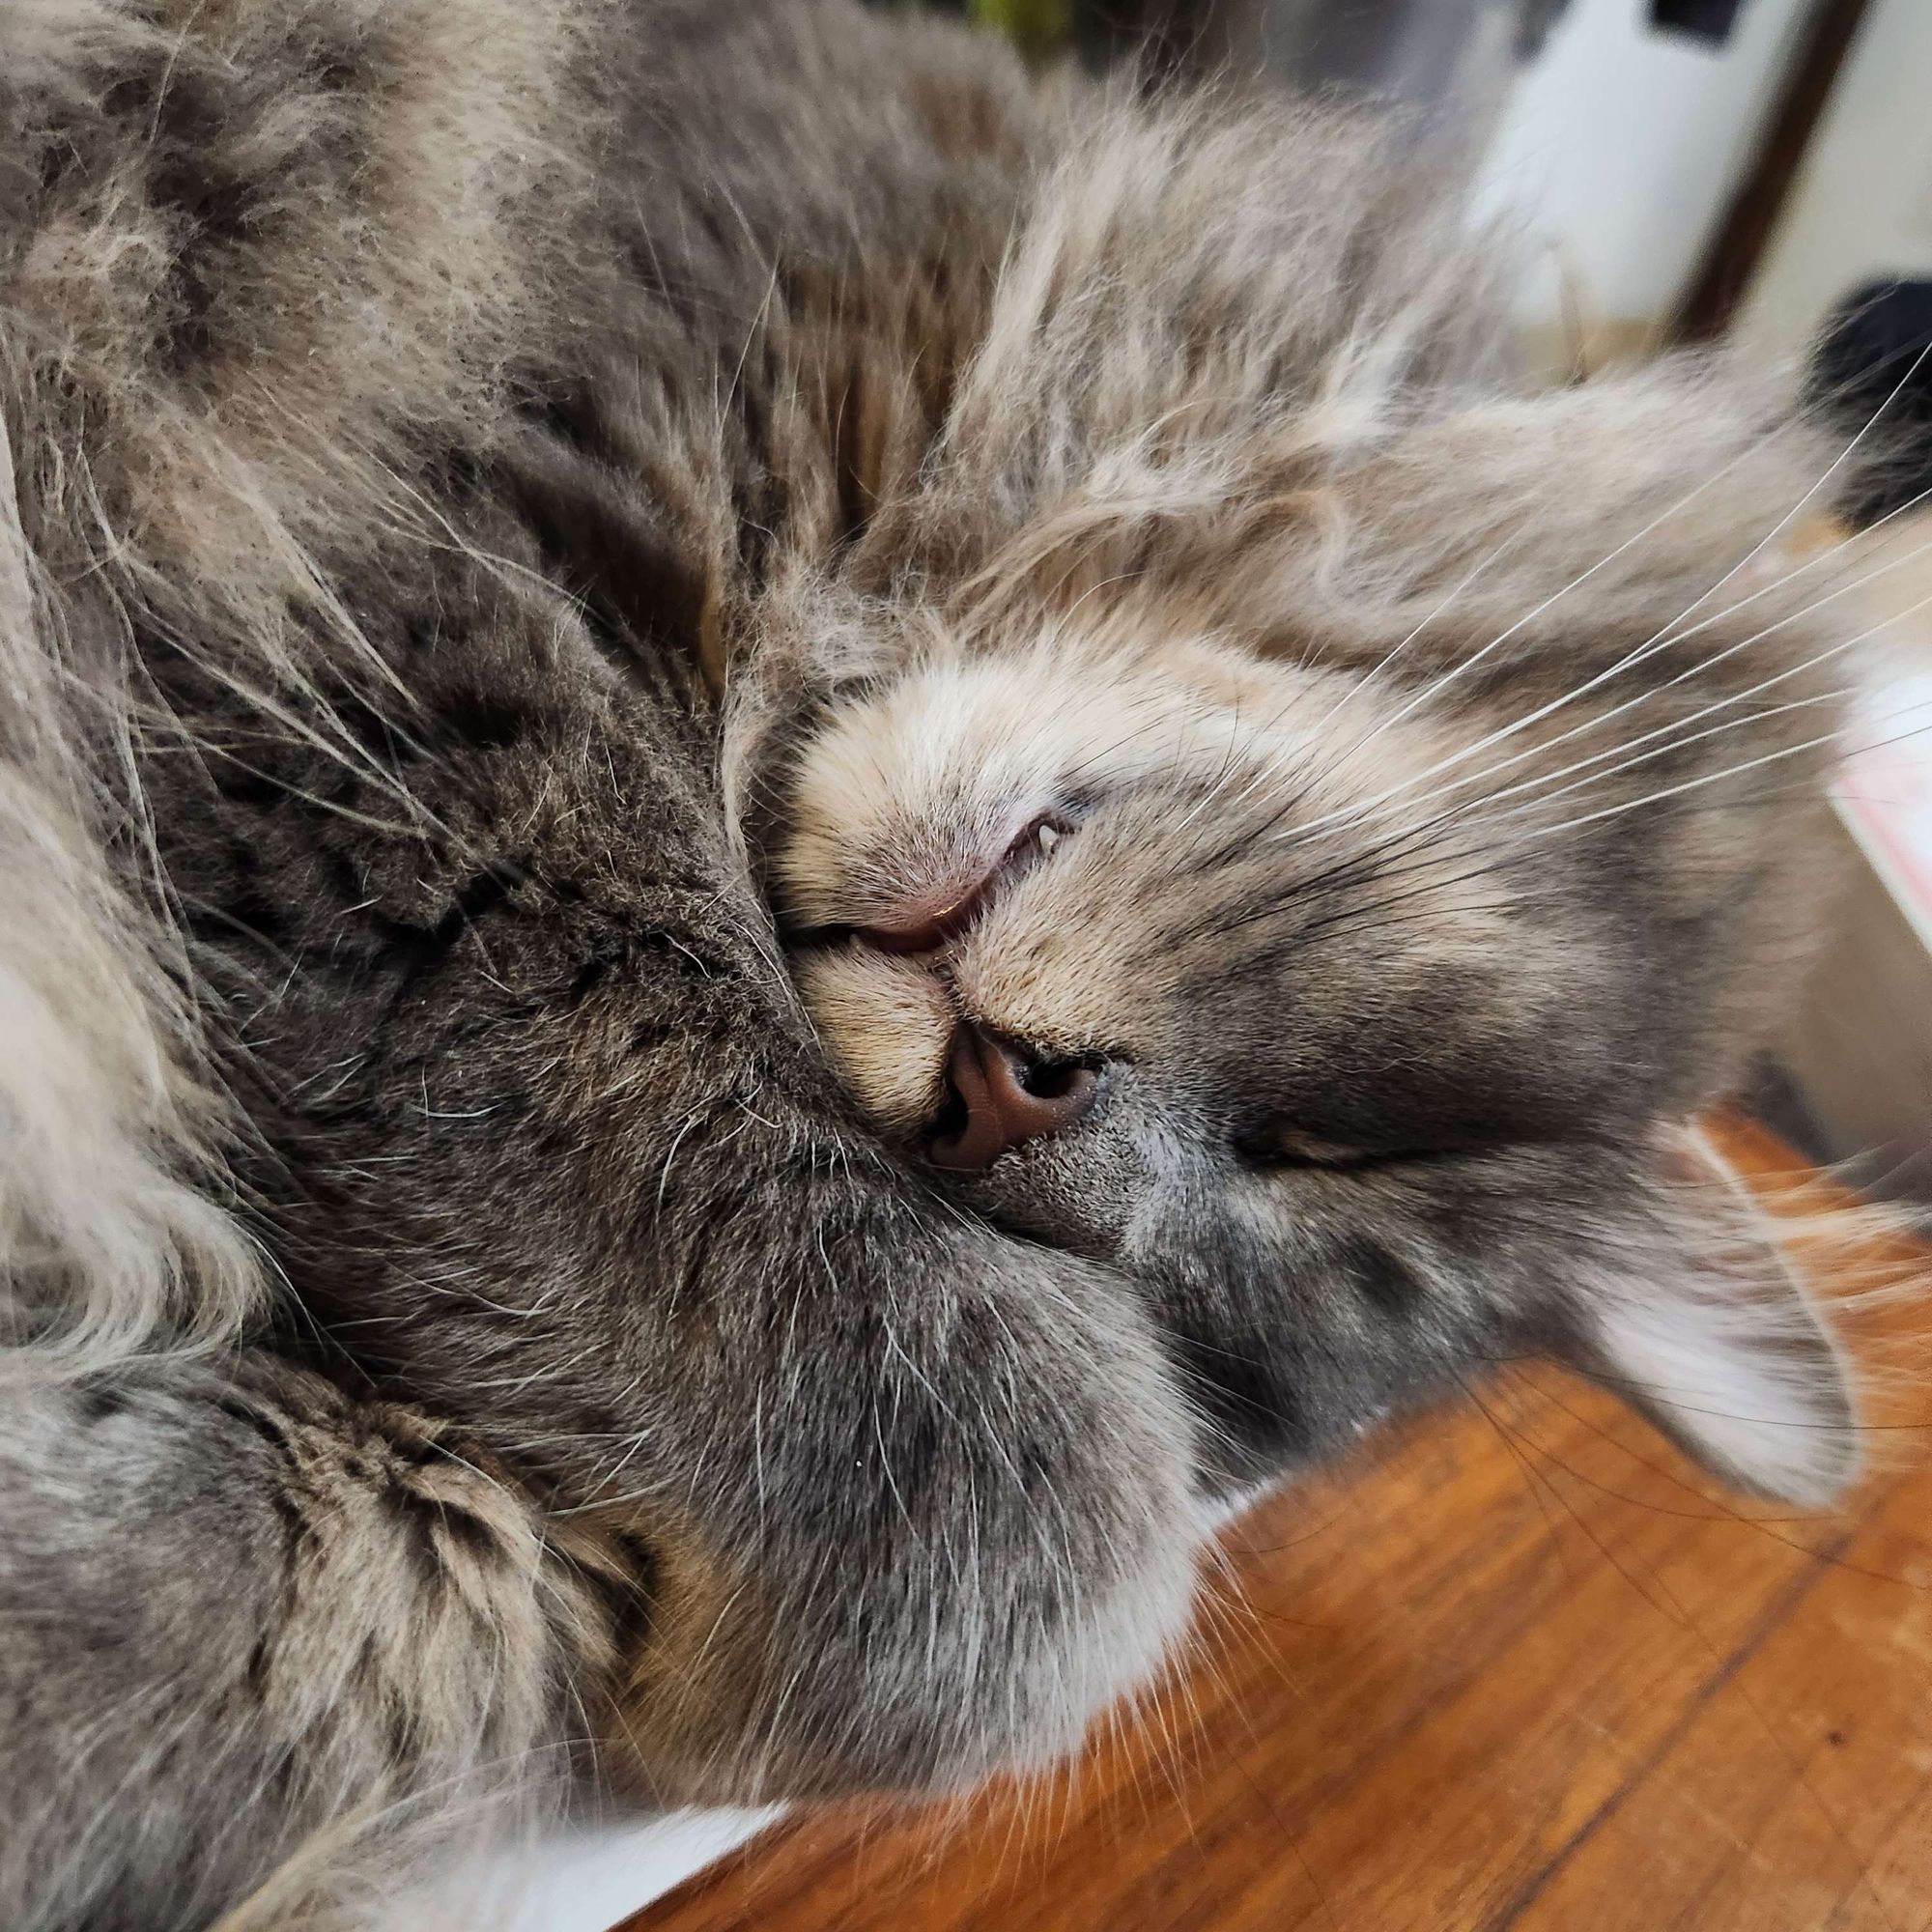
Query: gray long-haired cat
794, 838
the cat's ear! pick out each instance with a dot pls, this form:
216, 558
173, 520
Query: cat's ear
1705, 1327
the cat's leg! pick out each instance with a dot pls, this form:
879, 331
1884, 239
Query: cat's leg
256, 1637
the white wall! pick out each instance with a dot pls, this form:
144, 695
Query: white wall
1861, 204
1621, 144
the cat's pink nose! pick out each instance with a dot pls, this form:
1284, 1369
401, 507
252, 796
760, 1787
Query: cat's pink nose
1001, 1096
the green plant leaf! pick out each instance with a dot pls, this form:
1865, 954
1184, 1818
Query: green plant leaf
1038, 28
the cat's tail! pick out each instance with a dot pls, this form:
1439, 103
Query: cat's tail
108, 1234
257, 267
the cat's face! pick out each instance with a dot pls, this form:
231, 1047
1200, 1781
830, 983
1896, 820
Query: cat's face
1223, 971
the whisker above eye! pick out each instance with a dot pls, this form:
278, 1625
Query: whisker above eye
1653, 694
1660, 638
1478, 810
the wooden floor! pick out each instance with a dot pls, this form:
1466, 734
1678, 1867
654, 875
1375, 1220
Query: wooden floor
1522, 1670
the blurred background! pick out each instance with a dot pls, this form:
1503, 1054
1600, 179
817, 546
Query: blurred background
1687, 166
1750, 174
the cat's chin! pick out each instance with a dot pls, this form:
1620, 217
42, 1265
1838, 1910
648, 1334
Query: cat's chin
1080, 1193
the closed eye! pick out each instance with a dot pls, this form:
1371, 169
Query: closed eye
924, 927
1277, 1144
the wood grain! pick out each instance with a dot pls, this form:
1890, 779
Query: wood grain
1522, 1670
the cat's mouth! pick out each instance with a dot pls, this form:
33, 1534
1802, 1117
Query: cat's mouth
990, 1090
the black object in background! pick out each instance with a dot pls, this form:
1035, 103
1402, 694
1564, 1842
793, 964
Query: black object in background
1408, 50
1710, 20
1873, 364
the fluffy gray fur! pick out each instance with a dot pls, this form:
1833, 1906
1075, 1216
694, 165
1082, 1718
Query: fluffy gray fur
468, 459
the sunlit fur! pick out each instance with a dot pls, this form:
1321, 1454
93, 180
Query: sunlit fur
1153, 753
522, 520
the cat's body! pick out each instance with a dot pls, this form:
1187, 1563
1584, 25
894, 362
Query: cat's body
469, 462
